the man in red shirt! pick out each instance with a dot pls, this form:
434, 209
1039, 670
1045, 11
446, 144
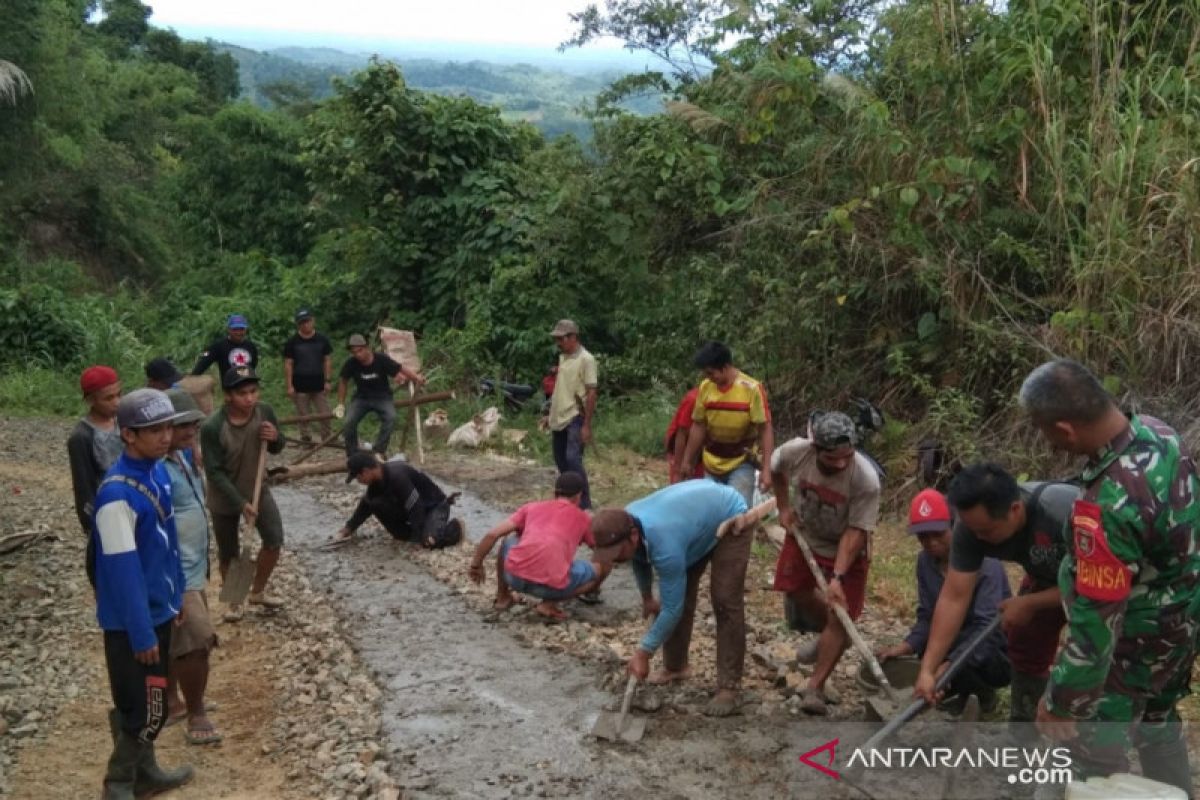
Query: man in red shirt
677, 438
540, 561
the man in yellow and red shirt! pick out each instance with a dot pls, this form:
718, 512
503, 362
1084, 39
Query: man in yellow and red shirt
730, 419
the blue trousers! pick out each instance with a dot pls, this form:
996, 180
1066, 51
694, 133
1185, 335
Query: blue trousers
568, 454
359, 408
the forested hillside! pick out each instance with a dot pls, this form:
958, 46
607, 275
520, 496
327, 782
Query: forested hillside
914, 201
553, 102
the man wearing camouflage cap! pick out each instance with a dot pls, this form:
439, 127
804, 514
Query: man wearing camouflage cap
836, 491
1130, 585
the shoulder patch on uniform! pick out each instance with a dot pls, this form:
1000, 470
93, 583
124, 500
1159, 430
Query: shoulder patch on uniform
1099, 575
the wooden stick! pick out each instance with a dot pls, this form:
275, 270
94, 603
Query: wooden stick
844, 617
404, 403
285, 474
307, 454
746, 519
416, 419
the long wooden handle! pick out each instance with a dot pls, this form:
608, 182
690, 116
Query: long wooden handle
844, 617
262, 470
312, 450
627, 701
747, 518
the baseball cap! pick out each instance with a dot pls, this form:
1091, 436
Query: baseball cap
833, 430
929, 512
185, 407
356, 340
357, 462
142, 408
161, 369
236, 376
568, 484
303, 314
95, 378
610, 528
564, 327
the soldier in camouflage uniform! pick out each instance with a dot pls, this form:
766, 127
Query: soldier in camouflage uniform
1131, 584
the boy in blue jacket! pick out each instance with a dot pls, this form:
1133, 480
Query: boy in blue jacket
139, 593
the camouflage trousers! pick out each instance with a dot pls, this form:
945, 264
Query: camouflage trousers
1139, 705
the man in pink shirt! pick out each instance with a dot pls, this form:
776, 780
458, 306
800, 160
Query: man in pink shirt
540, 560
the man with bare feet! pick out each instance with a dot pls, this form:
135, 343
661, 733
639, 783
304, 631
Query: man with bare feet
540, 560
674, 535
193, 640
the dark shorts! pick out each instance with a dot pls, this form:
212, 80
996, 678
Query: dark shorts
1032, 647
268, 523
792, 576
197, 632
582, 573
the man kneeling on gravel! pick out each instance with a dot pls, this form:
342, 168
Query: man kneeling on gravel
139, 593
406, 501
540, 561
673, 533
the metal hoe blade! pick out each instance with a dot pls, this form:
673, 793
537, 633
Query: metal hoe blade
619, 726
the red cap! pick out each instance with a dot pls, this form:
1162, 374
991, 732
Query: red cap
96, 378
928, 513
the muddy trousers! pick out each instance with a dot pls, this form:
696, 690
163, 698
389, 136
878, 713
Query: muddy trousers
727, 584
312, 403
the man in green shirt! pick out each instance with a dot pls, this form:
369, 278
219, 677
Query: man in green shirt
230, 442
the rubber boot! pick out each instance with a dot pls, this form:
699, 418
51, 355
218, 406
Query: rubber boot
122, 769
152, 779
1026, 692
1167, 762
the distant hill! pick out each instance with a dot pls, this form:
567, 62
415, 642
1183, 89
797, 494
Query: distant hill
548, 99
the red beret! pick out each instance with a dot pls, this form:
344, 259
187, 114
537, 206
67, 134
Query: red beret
96, 378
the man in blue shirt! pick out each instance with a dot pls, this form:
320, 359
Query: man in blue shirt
139, 593
673, 534
987, 668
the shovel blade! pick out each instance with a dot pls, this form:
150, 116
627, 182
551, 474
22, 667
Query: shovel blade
879, 709
237, 581
611, 727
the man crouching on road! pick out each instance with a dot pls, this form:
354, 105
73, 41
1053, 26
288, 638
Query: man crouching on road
406, 501
673, 533
139, 593
540, 561
836, 509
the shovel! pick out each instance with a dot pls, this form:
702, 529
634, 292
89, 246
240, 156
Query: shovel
918, 705
614, 726
237, 581
848, 625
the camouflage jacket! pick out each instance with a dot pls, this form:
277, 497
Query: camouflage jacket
1131, 582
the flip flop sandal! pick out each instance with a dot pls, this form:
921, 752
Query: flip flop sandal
210, 707
208, 735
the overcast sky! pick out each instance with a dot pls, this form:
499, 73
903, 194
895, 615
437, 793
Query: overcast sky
537, 23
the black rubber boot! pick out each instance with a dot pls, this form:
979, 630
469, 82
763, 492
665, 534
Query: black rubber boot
1168, 762
152, 779
122, 769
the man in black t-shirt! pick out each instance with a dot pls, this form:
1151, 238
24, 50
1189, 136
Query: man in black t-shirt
307, 367
235, 350
406, 501
1023, 523
372, 373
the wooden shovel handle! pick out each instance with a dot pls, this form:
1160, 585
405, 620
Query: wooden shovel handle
747, 518
258, 477
844, 617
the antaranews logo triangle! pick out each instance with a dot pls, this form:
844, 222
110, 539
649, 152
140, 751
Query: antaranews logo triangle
831, 747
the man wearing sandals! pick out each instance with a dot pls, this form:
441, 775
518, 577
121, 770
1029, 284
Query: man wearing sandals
230, 441
194, 639
540, 561
673, 534
827, 492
